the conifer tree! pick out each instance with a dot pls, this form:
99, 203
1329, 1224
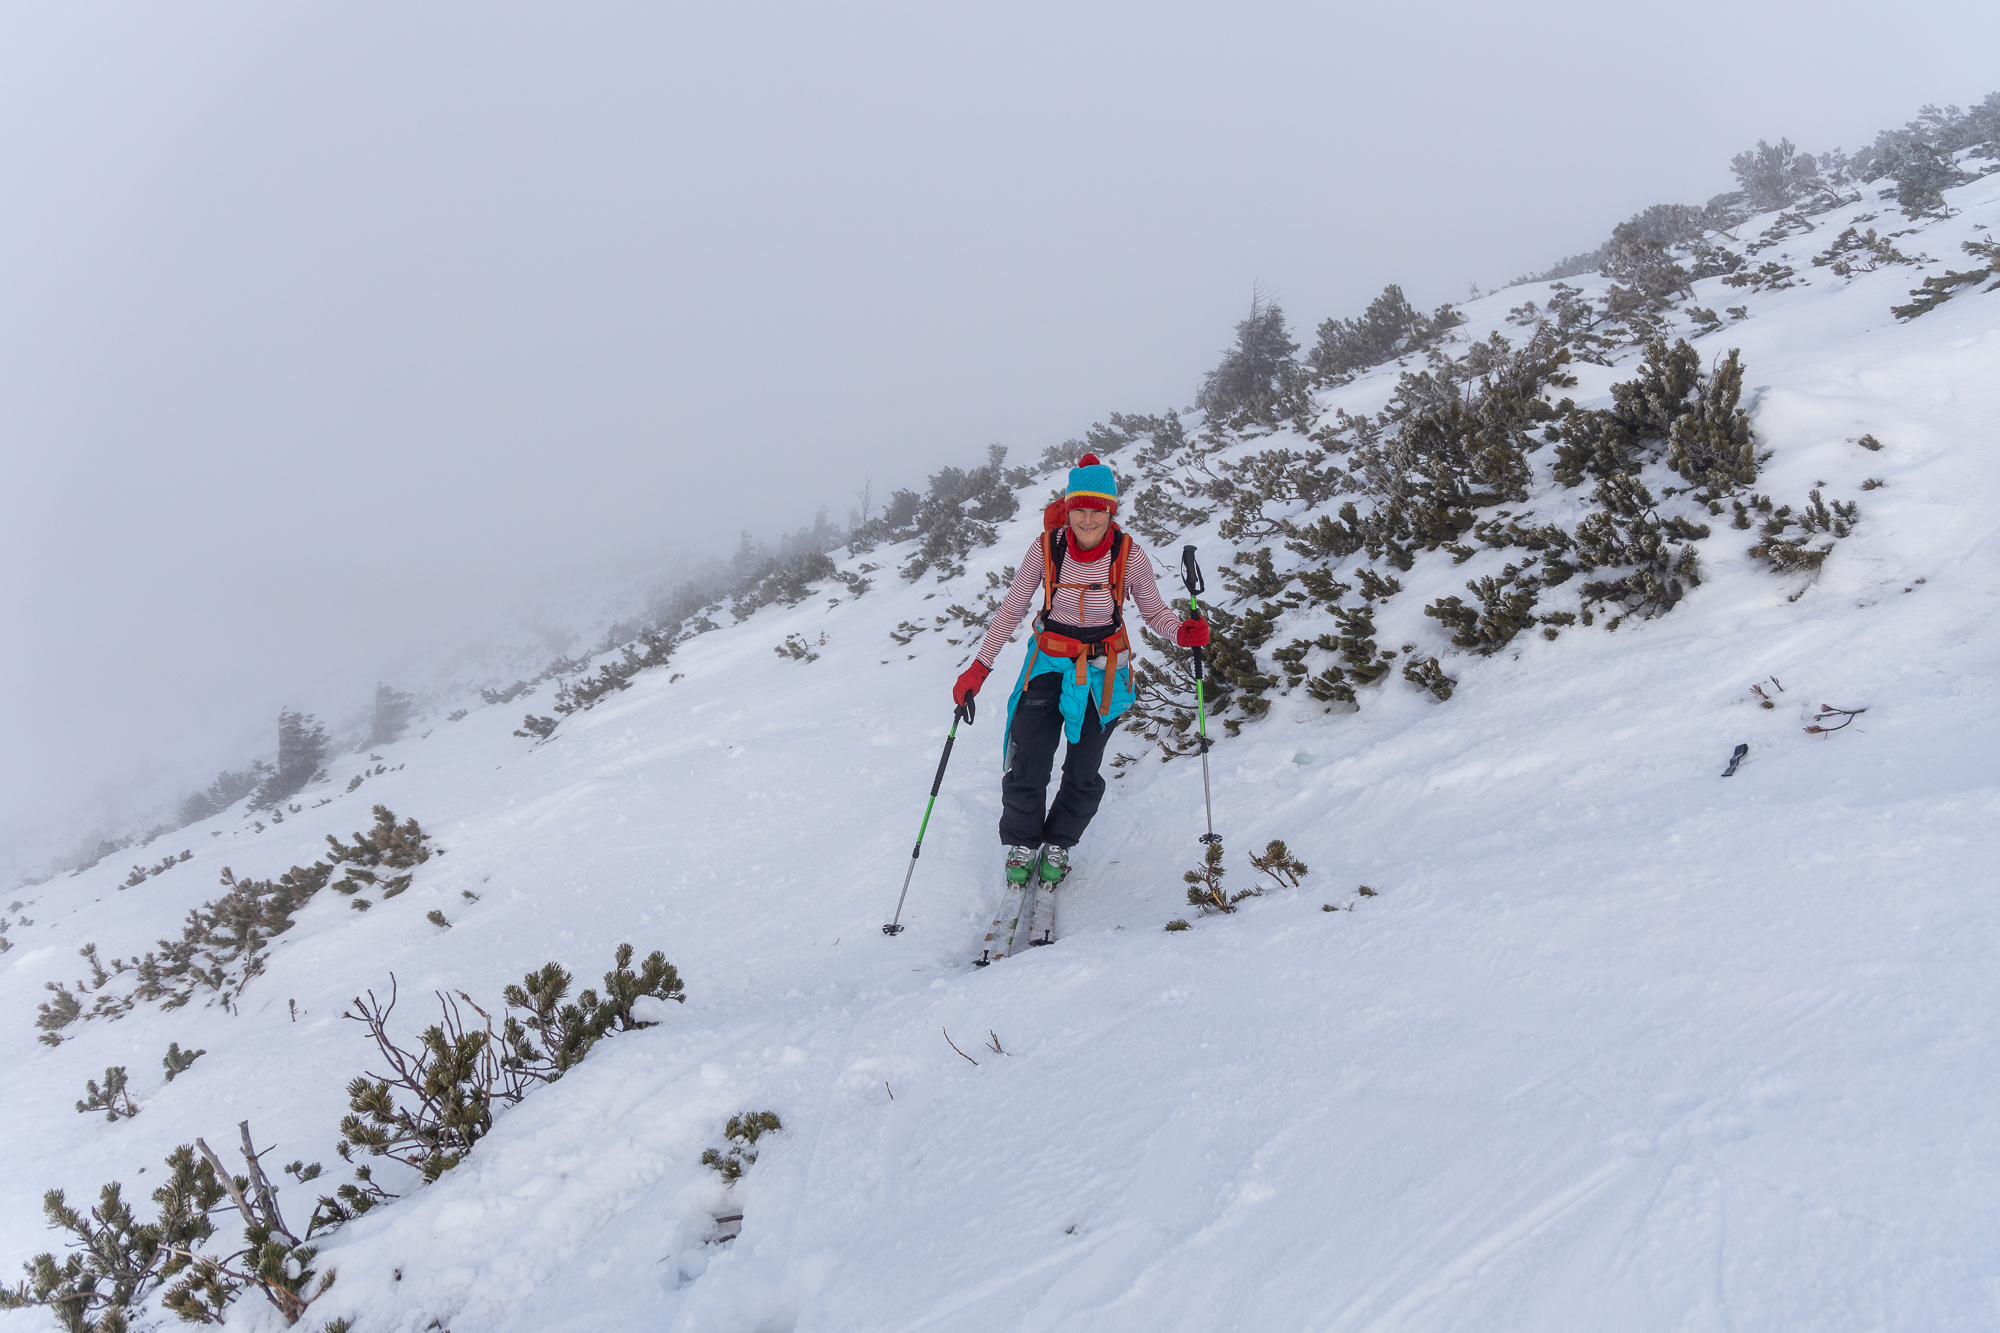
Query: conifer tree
1922, 173
1258, 375
392, 714
301, 750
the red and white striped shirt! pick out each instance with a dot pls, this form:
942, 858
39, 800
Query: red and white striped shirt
1084, 608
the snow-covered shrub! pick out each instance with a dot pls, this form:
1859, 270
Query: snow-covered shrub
222, 942
1855, 251
1814, 519
55, 1015
1921, 172
798, 649
742, 1131
1936, 291
1774, 177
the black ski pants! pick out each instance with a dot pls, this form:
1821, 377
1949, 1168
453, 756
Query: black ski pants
1031, 743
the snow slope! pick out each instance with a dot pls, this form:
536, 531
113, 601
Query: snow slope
1617, 1044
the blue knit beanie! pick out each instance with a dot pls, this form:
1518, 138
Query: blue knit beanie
1092, 486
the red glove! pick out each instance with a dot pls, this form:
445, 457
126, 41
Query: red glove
1192, 634
969, 683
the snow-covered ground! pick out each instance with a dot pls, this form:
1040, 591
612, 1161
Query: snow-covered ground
1616, 1044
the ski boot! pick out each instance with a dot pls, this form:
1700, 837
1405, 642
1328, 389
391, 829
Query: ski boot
1020, 861
1055, 864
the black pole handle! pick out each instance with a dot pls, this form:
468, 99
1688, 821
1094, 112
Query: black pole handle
1191, 573
964, 710
1191, 579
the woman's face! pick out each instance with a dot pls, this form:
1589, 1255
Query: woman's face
1089, 525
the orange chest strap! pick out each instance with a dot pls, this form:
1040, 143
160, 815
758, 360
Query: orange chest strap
1120, 549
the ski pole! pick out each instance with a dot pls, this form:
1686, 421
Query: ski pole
964, 711
1191, 579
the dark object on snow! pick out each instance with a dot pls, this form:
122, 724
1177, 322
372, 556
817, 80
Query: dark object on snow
964, 711
1736, 759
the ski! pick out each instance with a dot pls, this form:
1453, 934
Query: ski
999, 941
1042, 921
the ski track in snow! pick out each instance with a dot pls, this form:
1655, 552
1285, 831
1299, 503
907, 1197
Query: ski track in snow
1618, 1045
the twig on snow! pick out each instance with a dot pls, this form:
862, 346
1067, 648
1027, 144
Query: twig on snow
954, 1045
1847, 716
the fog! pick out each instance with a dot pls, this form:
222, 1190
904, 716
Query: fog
331, 333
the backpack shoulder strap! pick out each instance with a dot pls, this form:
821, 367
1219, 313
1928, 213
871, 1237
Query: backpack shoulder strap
1120, 550
1053, 551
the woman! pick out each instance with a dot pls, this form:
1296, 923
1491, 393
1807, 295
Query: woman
1078, 676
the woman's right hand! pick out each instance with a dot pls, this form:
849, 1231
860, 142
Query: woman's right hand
969, 682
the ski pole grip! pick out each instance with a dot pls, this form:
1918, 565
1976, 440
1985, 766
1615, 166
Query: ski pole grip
1191, 573
943, 759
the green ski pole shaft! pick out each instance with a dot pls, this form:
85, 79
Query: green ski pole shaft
964, 711
1191, 578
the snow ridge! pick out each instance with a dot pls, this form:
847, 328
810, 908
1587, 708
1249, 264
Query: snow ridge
1618, 1042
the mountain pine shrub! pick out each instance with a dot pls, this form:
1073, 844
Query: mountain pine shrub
113, 1099
1426, 674
140, 874
1816, 518
273, 1259
743, 1131
178, 1061
1205, 881
1390, 327
1278, 862
117, 1260
955, 515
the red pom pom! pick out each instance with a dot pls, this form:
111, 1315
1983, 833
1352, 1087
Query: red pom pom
1088, 460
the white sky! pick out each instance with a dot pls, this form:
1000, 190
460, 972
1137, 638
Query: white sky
323, 325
